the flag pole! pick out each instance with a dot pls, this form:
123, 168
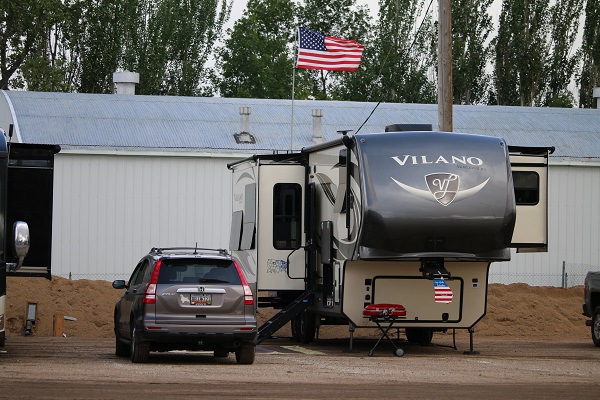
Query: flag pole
293, 90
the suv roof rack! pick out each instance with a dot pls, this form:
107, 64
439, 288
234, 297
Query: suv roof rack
161, 250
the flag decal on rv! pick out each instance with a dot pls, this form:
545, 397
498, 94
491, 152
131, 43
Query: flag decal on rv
442, 292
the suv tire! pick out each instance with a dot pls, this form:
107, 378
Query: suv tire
139, 352
596, 326
421, 336
245, 354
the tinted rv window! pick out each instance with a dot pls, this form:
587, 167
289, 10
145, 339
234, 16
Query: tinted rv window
287, 211
527, 187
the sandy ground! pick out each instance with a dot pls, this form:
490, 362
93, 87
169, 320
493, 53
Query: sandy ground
514, 311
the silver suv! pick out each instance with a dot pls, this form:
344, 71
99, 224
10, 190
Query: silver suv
186, 299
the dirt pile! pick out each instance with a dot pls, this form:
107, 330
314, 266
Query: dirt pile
514, 311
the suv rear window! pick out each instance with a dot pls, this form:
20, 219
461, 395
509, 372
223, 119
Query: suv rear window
191, 271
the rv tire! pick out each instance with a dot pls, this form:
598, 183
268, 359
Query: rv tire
420, 336
304, 327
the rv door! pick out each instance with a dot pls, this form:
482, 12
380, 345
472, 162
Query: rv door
530, 177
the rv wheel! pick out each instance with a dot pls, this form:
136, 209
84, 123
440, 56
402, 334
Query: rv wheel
304, 327
420, 336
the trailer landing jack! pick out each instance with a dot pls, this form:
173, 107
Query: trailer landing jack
471, 351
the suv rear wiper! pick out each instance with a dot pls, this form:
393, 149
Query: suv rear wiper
212, 280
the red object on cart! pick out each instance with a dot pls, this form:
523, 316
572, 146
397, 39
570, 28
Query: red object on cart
385, 313
384, 309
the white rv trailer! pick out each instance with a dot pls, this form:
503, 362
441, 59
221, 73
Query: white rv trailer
401, 217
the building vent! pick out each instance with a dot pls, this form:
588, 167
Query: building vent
317, 136
125, 81
244, 137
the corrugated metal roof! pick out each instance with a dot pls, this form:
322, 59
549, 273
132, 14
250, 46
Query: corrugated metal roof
159, 123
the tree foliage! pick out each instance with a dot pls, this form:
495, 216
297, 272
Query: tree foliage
339, 18
521, 49
404, 53
76, 45
256, 59
23, 26
181, 35
590, 72
52, 66
563, 59
471, 29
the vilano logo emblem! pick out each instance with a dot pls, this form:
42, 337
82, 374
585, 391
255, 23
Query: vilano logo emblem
443, 188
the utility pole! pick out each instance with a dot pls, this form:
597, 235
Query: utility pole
445, 66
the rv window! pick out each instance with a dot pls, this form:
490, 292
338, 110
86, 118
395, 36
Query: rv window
249, 227
527, 187
235, 236
287, 214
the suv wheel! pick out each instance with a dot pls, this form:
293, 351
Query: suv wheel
139, 352
596, 326
245, 354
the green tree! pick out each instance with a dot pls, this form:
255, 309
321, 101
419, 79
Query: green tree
188, 30
563, 60
54, 65
404, 57
101, 44
23, 25
521, 52
590, 72
344, 19
256, 60
471, 28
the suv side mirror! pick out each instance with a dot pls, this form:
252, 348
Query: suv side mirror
119, 284
20, 242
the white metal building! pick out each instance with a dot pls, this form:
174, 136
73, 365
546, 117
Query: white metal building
136, 172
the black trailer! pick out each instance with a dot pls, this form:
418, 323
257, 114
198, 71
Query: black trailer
26, 192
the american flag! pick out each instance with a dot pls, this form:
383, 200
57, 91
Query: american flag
442, 292
318, 51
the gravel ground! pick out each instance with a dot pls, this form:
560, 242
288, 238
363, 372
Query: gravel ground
72, 368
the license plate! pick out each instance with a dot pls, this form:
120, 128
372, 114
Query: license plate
201, 298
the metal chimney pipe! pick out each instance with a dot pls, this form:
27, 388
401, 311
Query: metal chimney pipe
596, 94
245, 119
126, 81
317, 115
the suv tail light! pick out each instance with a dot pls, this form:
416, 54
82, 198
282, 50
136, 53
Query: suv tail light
248, 297
150, 292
